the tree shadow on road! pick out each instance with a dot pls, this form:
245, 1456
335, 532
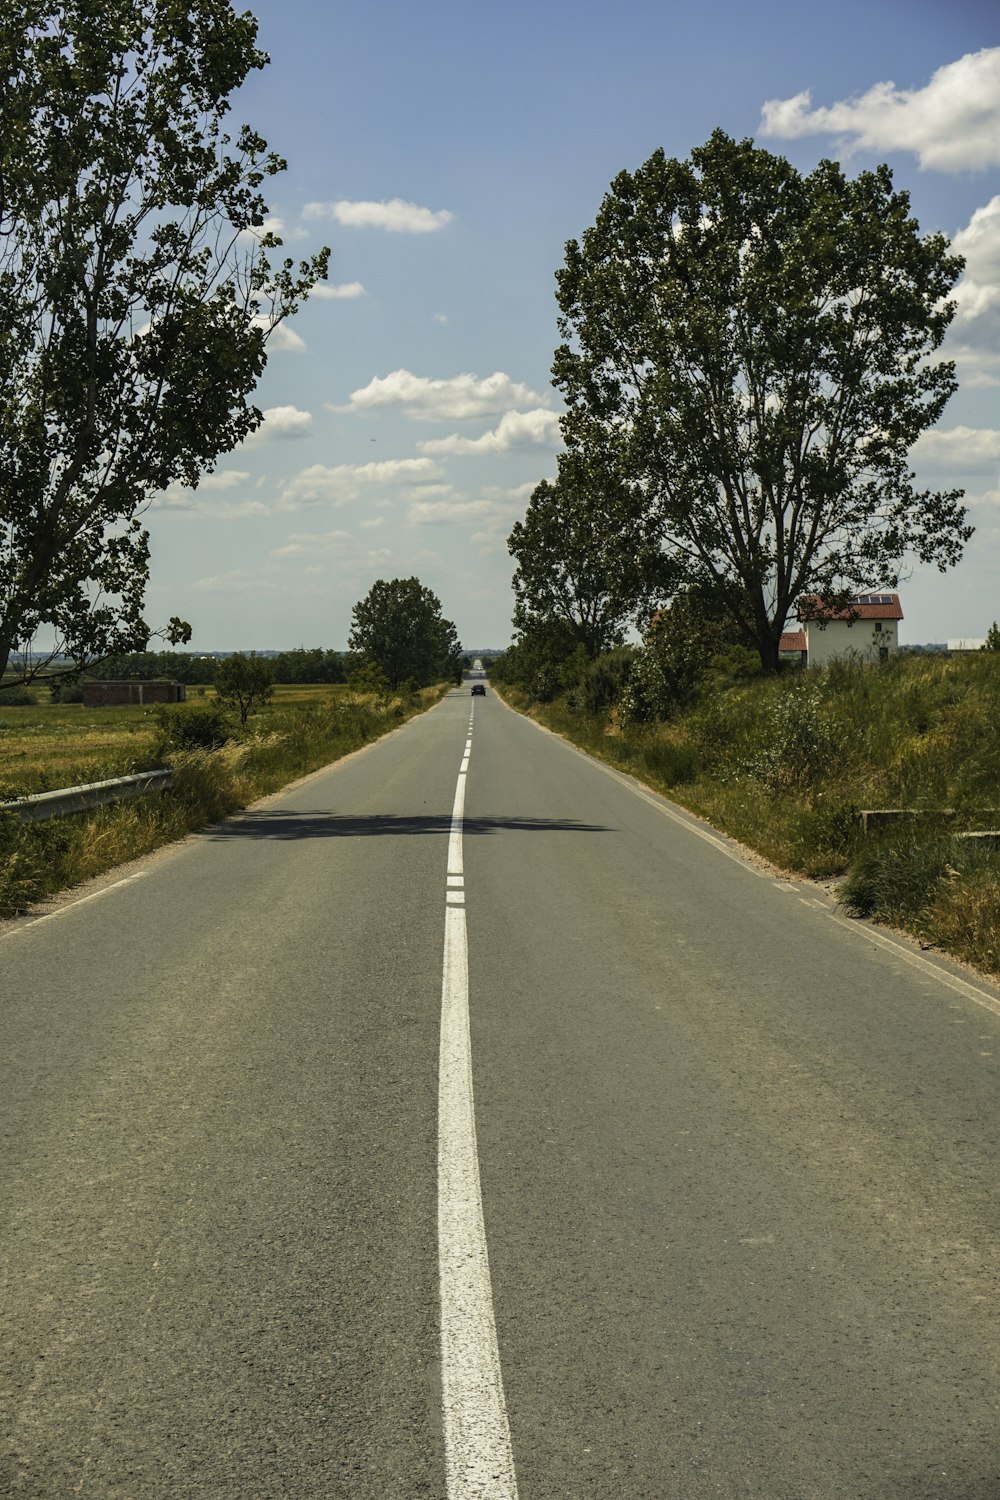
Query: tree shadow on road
325, 825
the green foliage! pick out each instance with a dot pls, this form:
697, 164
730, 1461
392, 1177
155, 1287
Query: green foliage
898, 877
605, 679
751, 347
367, 677
208, 783
137, 296
143, 666
992, 642
587, 555
693, 634
245, 682
66, 691
310, 664
15, 695
785, 764
537, 658
187, 728
399, 627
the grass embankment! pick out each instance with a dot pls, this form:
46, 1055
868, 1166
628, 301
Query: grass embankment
50, 746
786, 765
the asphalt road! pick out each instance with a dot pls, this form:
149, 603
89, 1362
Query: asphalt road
738, 1155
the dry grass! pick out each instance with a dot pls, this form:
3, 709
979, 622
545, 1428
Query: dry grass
65, 745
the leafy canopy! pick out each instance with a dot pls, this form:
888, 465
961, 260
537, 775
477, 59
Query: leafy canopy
137, 296
756, 350
399, 627
587, 554
244, 682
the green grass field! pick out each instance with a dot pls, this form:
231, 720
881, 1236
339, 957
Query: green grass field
786, 765
47, 745
44, 746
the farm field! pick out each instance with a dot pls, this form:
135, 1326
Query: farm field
46, 745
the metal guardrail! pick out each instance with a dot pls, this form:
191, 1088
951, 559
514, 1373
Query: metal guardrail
72, 799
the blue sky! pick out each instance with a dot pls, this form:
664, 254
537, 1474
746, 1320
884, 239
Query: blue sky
446, 153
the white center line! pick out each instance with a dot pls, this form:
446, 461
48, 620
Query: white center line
479, 1462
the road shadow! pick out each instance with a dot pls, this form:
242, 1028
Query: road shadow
325, 825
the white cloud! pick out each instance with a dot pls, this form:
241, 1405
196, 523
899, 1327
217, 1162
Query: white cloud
970, 449
235, 582
516, 429
308, 543
282, 422
952, 124
319, 484
393, 214
977, 321
281, 336
448, 512
178, 496
328, 293
450, 400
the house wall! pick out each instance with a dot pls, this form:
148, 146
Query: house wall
850, 637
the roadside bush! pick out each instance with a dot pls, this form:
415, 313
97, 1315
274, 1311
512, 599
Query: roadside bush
893, 880
66, 692
16, 697
965, 917
201, 727
605, 679
670, 764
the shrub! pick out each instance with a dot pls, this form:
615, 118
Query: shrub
179, 729
16, 696
894, 879
670, 764
605, 679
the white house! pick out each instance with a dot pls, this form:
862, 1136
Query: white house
867, 627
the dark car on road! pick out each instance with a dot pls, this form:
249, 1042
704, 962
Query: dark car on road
479, 690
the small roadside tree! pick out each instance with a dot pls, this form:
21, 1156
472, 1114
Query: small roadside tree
587, 553
758, 350
398, 625
244, 682
137, 296
992, 641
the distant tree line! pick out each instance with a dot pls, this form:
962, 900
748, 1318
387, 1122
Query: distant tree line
304, 664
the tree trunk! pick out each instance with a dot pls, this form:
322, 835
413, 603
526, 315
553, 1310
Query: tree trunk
770, 654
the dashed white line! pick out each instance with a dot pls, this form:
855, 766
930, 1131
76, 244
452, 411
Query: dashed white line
478, 1458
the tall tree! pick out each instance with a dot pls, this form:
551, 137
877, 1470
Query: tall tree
398, 625
587, 554
136, 295
756, 348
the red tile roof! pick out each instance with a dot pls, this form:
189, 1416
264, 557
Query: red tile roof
874, 606
792, 640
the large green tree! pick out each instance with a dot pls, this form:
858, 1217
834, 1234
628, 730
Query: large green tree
588, 554
398, 625
137, 296
757, 350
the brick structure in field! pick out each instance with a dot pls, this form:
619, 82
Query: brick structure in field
113, 693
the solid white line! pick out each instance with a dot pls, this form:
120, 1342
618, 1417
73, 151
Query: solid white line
455, 837
883, 940
880, 938
479, 1463
51, 916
